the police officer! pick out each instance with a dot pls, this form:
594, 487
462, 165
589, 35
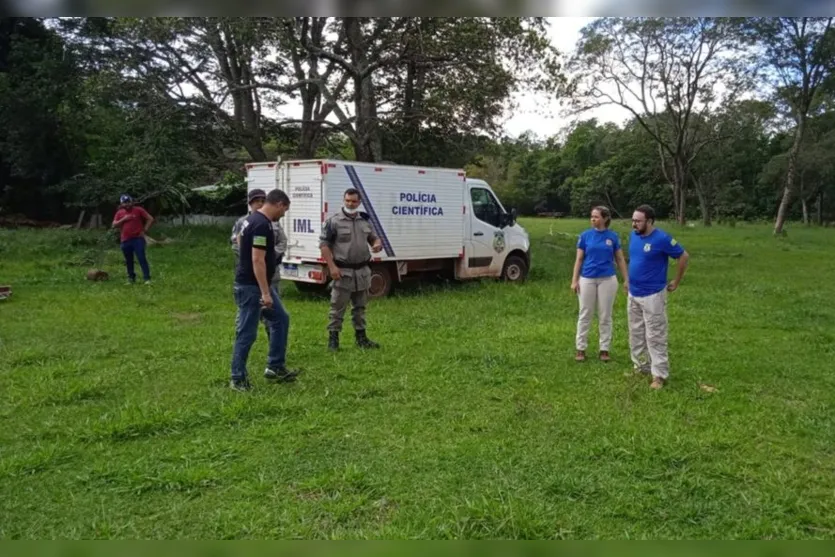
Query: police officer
256, 199
344, 246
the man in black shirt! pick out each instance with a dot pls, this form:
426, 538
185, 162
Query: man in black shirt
255, 295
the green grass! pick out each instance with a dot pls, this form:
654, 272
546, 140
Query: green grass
473, 421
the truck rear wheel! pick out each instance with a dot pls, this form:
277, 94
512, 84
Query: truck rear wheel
515, 269
381, 281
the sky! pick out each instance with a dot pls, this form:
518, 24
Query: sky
540, 113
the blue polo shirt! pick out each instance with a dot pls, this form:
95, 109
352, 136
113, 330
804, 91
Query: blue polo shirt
599, 247
648, 258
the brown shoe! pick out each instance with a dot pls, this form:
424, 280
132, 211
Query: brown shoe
581, 356
604, 356
657, 383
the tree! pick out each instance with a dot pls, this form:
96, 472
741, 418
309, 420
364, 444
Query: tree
39, 144
815, 164
212, 66
134, 142
669, 73
410, 78
613, 167
725, 175
800, 53
302, 39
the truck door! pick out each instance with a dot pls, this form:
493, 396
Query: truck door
486, 242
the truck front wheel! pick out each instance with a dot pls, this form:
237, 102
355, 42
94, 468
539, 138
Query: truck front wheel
515, 269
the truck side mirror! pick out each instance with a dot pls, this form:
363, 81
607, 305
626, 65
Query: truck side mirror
509, 218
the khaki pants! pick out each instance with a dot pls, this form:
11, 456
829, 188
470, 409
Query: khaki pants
599, 293
648, 333
339, 302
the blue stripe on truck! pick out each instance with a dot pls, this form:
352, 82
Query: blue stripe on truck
375, 221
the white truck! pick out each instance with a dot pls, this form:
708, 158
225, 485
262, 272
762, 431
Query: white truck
430, 220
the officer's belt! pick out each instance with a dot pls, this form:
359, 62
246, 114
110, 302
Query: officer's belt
354, 266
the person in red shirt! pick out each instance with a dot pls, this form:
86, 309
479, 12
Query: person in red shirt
134, 222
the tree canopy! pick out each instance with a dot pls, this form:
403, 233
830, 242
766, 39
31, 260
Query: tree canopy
724, 118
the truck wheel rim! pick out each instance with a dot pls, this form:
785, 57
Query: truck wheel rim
378, 283
514, 272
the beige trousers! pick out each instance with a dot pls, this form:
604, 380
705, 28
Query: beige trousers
596, 293
648, 333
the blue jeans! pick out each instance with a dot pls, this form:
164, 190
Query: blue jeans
277, 321
131, 247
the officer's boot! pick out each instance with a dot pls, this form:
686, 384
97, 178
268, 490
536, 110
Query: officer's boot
333, 341
364, 342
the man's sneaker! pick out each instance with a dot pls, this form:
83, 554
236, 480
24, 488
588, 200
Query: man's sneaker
241, 385
604, 356
148, 282
282, 375
657, 383
580, 356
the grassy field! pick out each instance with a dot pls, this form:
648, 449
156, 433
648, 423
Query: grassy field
473, 420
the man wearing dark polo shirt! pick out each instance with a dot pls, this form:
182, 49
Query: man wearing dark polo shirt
134, 222
255, 296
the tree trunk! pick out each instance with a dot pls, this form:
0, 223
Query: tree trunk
311, 127
678, 203
234, 54
705, 198
368, 146
612, 205
309, 140
805, 211
254, 149
820, 208
679, 187
413, 97
788, 190
707, 218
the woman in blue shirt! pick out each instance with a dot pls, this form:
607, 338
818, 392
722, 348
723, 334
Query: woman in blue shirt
594, 280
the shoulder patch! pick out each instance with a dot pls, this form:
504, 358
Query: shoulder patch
260, 241
673, 242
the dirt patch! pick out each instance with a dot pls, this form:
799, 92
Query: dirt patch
97, 274
187, 317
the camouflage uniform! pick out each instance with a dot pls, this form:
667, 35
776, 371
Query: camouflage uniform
349, 239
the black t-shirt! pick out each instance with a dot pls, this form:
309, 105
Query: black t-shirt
256, 233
